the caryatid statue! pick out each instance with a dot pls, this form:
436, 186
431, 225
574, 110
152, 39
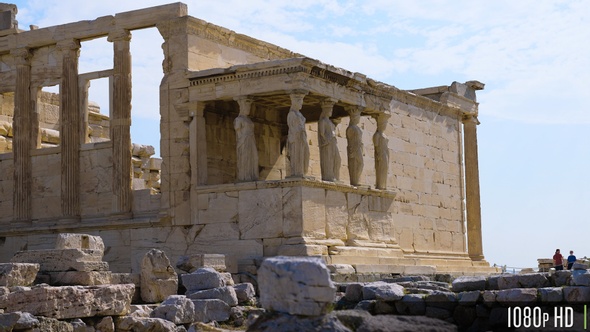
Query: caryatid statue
354, 136
298, 147
380, 143
329, 155
247, 153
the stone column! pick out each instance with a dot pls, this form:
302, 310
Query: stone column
246, 150
198, 146
380, 144
21, 136
298, 147
121, 122
354, 137
329, 155
70, 135
474, 238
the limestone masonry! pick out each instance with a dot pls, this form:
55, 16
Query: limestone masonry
264, 152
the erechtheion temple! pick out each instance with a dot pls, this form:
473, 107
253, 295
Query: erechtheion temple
264, 152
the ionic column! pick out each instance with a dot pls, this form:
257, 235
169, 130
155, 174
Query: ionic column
298, 147
380, 144
70, 135
198, 146
21, 136
474, 238
121, 122
246, 150
354, 137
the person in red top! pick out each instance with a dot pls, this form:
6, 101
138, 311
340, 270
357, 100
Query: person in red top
558, 260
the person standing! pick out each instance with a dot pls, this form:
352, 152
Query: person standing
571, 259
558, 260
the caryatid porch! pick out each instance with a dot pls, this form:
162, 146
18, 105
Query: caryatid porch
259, 121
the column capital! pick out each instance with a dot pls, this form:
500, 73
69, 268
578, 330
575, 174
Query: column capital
353, 110
328, 102
22, 56
470, 119
119, 35
68, 44
245, 103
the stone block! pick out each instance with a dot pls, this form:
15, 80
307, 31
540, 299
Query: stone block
550, 294
517, 296
190, 263
383, 291
469, 283
82, 278
441, 299
176, 308
158, 278
18, 274
203, 278
226, 294
16, 321
211, 310
411, 304
245, 292
508, 281
354, 292
581, 279
336, 215
130, 323
295, 285
217, 207
313, 203
79, 241
260, 213
341, 268
532, 280
576, 294
63, 259
68, 302
469, 298
303, 250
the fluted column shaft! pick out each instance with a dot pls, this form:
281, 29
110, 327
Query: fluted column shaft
472, 195
121, 122
70, 118
21, 136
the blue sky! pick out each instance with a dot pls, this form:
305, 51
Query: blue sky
533, 56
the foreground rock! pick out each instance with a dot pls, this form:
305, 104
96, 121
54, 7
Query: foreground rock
17, 274
295, 285
348, 321
158, 278
70, 301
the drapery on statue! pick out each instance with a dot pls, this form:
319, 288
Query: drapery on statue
380, 142
247, 153
298, 147
354, 136
329, 156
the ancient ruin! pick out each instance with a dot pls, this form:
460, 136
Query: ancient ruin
264, 152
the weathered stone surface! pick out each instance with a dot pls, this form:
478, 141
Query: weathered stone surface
191, 263
245, 292
106, 324
411, 304
226, 294
18, 274
561, 278
532, 280
17, 321
63, 259
469, 297
580, 266
52, 324
517, 295
211, 310
341, 268
383, 291
550, 294
158, 278
441, 299
354, 292
177, 309
576, 294
508, 281
129, 323
70, 301
349, 320
80, 278
582, 279
203, 278
79, 241
468, 283
228, 280
295, 285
